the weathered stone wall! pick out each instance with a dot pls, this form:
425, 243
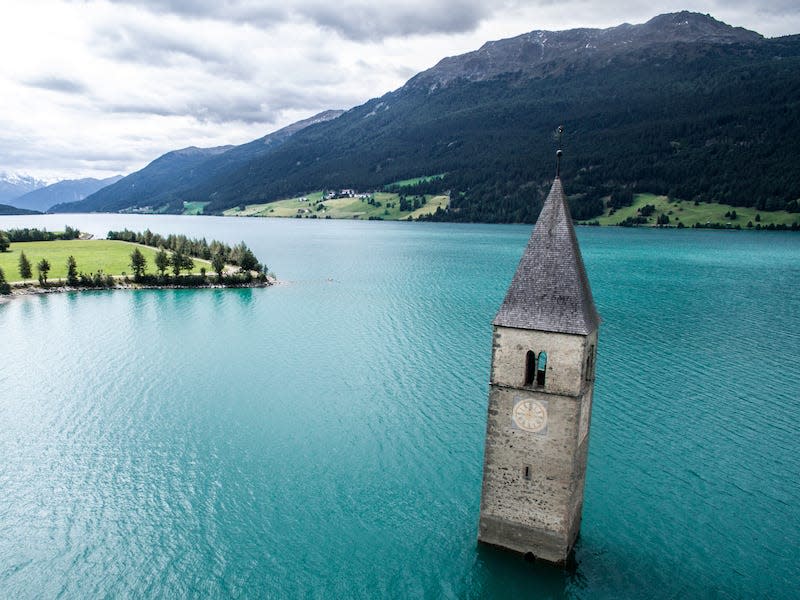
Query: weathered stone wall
566, 358
540, 514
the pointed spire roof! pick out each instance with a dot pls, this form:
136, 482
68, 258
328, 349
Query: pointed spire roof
550, 290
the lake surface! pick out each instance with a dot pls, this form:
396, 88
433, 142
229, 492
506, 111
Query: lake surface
324, 438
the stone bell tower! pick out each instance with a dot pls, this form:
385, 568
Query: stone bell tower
540, 398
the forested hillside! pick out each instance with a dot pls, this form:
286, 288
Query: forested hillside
684, 106
705, 120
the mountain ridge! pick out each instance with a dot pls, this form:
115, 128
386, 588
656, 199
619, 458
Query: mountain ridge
682, 105
14, 185
163, 180
531, 53
67, 190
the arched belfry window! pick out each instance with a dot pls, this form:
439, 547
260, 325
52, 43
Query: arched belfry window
541, 368
530, 367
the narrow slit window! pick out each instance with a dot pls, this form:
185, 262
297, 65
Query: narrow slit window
527, 472
541, 369
530, 367
590, 364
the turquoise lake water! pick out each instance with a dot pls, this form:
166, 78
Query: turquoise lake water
324, 438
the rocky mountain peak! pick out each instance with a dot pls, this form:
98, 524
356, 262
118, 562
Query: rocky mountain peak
539, 53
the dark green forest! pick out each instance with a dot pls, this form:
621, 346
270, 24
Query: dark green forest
711, 123
706, 122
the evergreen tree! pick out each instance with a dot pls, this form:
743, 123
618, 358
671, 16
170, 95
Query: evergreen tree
244, 257
43, 266
24, 266
188, 263
181, 262
138, 264
218, 264
4, 287
162, 261
72, 271
176, 261
5, 241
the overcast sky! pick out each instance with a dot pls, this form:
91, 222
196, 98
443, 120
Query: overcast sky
99, 87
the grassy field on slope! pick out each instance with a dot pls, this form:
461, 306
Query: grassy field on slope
386, 206
194, 208
690, 214
110, 256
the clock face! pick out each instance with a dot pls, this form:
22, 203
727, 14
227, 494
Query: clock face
530, 415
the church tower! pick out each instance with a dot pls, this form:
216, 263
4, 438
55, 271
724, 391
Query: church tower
540, 398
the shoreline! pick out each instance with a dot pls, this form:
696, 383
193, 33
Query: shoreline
23, 290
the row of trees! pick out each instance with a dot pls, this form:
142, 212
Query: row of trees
42, 267
35, 235
31, 234
239, 255
177, 261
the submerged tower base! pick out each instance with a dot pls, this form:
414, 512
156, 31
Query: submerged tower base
540, 398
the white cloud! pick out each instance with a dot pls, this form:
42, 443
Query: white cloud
97, 87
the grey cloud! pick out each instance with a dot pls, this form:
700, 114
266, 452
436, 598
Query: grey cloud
212, 110
261, 106
774, 7
132, 43
57, 84
353, 19
238, 11
22, 157
368, 19
373, 20
142, 109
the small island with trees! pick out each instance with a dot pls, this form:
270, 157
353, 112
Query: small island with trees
36, 261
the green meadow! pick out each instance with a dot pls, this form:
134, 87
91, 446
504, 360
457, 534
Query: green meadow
386, 206
110, 256
194, 208
689, 214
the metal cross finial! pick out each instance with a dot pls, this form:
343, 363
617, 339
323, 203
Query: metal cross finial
559, 152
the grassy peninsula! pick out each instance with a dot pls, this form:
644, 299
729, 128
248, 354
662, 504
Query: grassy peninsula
112, 257
35, 261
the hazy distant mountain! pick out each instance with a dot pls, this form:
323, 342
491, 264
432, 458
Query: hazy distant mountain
5, 209
13, 186
68, 190
161, 185
143, 188
682, 105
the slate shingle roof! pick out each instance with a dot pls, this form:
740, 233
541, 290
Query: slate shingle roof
550, 290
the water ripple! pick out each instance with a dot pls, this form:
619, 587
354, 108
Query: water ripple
325, 438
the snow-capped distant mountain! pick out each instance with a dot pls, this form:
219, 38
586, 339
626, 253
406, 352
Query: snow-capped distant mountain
69, 190
14, 185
